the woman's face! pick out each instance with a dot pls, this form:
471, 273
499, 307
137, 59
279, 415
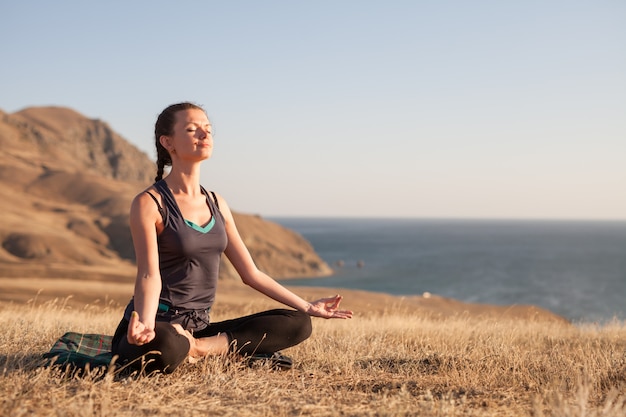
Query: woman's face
191, 136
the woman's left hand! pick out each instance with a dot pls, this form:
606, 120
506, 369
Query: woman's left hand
328, 308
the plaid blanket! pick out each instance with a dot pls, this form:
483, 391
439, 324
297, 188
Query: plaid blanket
80, 350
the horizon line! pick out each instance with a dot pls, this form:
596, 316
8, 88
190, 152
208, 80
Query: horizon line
434, 218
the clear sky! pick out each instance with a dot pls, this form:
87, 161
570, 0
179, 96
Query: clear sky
463, 109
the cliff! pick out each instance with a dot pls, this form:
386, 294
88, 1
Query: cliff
66, 183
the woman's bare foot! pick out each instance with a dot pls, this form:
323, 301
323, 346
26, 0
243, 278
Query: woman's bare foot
192, 354
205, 346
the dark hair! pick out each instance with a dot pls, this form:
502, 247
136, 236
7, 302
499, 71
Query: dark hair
164, 126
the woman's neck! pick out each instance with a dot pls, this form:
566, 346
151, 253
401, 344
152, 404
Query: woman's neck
185, 181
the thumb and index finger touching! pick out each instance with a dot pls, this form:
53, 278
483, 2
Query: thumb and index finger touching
331, 305
138, 333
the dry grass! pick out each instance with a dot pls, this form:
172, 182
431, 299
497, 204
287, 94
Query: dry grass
387, 363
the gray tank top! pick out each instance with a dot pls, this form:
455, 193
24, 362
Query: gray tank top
189, 260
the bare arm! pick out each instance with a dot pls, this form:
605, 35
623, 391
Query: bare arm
240, 257
144, 217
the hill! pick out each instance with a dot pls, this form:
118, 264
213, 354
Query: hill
66, 183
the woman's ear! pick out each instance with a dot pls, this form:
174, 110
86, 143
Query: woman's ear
166, 143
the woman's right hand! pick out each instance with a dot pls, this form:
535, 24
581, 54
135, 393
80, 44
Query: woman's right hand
138, 333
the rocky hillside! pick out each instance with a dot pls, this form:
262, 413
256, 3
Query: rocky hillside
66, 183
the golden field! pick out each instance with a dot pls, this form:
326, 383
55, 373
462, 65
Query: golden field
396, 357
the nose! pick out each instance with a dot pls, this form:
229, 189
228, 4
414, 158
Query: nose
203, 133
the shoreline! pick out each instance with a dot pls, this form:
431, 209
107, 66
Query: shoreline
76, 293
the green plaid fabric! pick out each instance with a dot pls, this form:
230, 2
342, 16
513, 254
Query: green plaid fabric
79, 349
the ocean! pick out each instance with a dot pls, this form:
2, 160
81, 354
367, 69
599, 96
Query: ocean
576, 269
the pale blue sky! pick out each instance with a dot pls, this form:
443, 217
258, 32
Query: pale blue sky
497, 109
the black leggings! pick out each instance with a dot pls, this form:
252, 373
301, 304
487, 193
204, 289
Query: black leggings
265, 332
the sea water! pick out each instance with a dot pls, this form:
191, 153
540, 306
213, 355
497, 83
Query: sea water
573, 268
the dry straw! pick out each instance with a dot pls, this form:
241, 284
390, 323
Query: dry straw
388, 363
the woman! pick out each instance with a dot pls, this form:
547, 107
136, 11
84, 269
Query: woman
179, 233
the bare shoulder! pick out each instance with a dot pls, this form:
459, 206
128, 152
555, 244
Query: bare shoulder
223, 205
144, 202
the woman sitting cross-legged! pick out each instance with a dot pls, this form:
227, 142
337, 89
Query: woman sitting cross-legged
179, 233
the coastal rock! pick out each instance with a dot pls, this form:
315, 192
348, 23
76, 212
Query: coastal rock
66, 183
277, 250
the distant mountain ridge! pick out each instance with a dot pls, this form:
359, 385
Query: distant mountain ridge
63, 135
66, 183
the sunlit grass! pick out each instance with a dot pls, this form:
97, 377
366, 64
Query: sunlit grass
387, 363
